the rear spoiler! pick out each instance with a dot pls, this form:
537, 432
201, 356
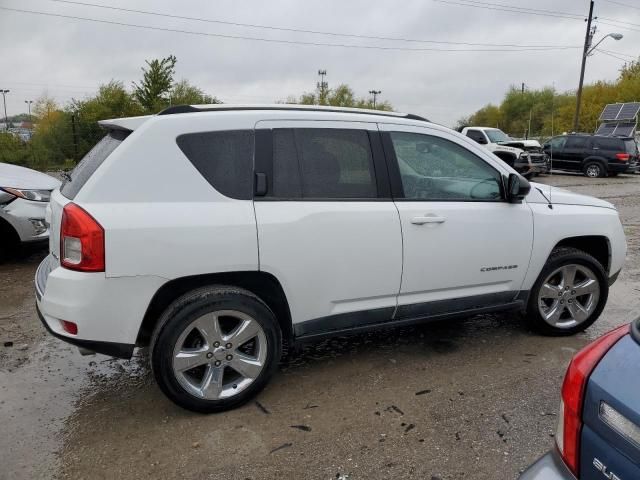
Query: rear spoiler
128, 124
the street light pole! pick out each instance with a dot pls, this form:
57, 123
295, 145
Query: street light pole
29, 102
375, 93
4, 100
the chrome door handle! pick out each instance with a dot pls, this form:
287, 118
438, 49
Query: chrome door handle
427, 219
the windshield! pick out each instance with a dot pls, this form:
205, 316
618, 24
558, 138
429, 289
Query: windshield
497, 136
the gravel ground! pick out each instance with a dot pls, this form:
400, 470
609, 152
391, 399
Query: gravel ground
470, 399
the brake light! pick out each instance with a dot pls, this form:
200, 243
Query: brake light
81, 240
573, 389
623, 156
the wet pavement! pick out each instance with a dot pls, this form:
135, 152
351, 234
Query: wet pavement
469, 399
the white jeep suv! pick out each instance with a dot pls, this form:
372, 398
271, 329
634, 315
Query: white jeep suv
217, 234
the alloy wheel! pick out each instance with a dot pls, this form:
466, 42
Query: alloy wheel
593, 171
219, 354
568, 296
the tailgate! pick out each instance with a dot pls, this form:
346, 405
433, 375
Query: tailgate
610, 442
54, 217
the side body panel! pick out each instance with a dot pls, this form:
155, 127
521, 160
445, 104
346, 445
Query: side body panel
472, 248
332, 257
563, 221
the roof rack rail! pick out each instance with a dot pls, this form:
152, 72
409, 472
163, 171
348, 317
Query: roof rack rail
176, 109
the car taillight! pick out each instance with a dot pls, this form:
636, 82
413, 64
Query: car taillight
623, 156
573, 389
81, 241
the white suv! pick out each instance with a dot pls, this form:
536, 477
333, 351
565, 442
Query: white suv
217, 234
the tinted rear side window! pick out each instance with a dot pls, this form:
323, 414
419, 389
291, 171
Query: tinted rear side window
91, 161
323, 163
576, 142
224, 159
608, 144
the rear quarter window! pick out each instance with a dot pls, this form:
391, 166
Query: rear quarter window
224, 159
608, 144
91, 161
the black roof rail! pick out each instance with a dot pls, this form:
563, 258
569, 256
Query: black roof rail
176, 109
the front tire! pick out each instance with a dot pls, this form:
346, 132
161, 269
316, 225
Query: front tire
569, 295
215, 348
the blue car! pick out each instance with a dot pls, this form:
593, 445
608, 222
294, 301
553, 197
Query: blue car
599, 423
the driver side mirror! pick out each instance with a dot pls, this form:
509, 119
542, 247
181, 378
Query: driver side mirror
481, 140
517, 188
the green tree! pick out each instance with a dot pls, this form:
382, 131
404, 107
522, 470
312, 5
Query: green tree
183, 93
340, 96
157, 80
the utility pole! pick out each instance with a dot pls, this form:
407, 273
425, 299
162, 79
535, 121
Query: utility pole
587, 45
375, 93
523, 87
75, 137
322, 86
4, 99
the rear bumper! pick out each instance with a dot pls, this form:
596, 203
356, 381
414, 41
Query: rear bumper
107, 311
548, 467
113, 349
623, 167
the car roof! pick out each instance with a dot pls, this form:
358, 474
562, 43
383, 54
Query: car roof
221, 107
132, 123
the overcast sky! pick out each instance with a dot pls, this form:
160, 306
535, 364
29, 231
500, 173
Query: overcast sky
70, 58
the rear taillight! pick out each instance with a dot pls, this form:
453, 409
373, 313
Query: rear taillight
573, 389
623, 156
81, 240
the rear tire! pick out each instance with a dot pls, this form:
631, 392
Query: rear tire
569, 295
594, 169
215, 348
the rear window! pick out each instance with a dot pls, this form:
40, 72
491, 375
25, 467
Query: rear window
607, 143
91, 161
631, 147
224, 159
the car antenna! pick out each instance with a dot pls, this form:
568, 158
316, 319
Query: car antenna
548, 199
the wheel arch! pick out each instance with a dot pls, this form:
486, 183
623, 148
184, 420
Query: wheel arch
7, 231
262, 284
598, 246
592, 158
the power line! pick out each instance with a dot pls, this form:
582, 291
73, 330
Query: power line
623, 4
612, 55
295, 30
618, 53
271, 40
617, 25
511, 9
620, 21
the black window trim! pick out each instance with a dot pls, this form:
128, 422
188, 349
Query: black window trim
263, 163
397, 190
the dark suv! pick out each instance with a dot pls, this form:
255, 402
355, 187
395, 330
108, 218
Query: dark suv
593, 155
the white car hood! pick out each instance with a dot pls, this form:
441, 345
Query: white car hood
14, 176
541, 193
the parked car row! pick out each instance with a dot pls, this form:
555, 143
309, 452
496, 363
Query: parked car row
593, 155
